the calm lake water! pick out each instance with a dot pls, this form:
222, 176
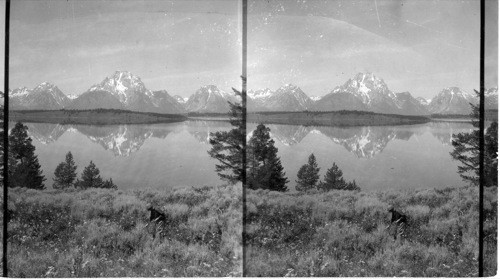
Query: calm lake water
175, 154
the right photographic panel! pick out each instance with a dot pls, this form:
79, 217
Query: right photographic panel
362, 144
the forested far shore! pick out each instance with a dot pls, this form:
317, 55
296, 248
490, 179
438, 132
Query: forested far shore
489, 115
335, 118
93, 117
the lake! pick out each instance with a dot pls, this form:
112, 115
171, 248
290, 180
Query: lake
175, 154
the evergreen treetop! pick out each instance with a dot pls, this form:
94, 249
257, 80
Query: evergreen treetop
227, 146
308, 175
466, 151
264, 166
24, 168
65, 173
90, 177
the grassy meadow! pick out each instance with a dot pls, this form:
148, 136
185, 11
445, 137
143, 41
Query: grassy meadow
347, 234
103, 233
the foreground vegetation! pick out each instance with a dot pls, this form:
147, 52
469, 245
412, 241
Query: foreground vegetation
93, 117
348, 234
103, 233
335, 118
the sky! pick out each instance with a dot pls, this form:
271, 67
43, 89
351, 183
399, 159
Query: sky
179, 46
416, 46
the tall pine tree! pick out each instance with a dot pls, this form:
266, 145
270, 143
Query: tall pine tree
90, 178
264, 166
466, 151
227, 146
24, 168
333, 179
65, 173
308, 175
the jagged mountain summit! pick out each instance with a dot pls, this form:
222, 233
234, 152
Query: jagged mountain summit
423, 101
286, 98
180, 99
491, 98
45, 96
72, 96
409, 105
209, 98
124, 90
367, 92
452, 100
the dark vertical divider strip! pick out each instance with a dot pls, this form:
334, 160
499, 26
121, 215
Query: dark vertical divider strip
5, 141
481, 138
244, 118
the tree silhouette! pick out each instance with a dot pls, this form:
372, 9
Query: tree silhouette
264, 166
308, 175
466, 151
24, 168
90, 178
65, 173
227, 146
333, 179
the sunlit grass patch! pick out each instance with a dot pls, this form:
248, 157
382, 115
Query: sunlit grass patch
103, 233
342, 233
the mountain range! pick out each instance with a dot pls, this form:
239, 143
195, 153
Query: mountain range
363, 92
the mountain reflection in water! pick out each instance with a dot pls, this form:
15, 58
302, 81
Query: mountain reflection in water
364, 142
175, 154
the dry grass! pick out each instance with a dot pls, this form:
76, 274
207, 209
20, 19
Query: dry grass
99, 232
347, 234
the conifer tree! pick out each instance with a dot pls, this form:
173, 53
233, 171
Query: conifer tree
108, 184
333, 179
24, 168
352, 186
308, 175
466, 151
227, 146
90, 178
65, 173
264, 166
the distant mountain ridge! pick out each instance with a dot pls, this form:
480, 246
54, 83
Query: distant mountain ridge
124, 90
363, 92
286, 98
209, 98
367, 92
45, 96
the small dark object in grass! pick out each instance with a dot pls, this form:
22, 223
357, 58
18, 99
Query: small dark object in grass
397, 217
400, 220
158, 218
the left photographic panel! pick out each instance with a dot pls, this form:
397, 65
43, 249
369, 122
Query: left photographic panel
3, 219
125, 139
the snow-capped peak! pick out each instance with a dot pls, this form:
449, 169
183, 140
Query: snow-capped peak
423, 101
260, 94
455, 91
289, 86
45, 85
491, 91
122, 84
21, 91
180, 99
